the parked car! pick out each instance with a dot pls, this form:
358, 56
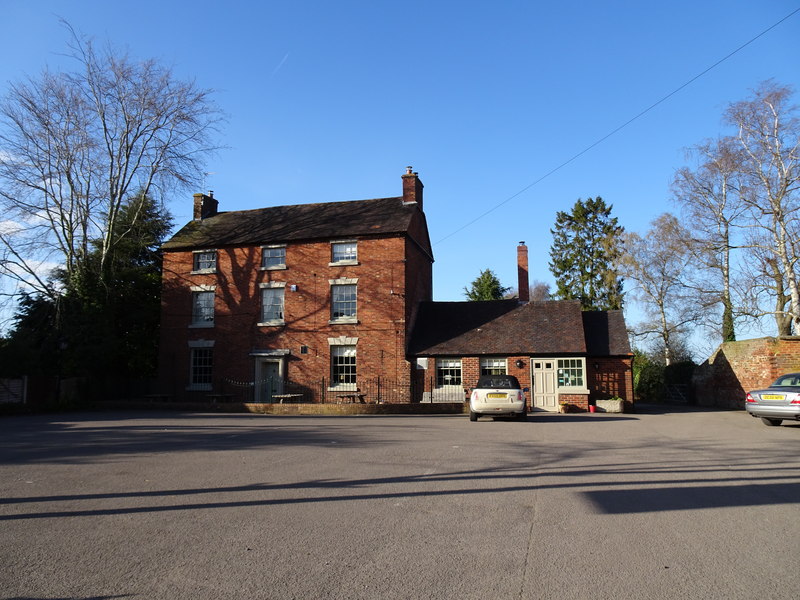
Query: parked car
779, 401
497, 395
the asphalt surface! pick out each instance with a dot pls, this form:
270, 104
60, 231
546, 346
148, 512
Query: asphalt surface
659, 504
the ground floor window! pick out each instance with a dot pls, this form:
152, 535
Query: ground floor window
202, 361
494, 366
571, 373
343, 366
448, 371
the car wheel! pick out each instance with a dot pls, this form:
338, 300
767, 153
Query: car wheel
473, 416
771, 422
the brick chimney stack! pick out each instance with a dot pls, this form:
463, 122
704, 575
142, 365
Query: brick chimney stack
412, 188
522, 273
205, 206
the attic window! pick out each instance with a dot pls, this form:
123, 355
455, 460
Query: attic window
344, 252
204, 261
273, 257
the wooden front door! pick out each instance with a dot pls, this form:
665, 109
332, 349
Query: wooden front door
543, 373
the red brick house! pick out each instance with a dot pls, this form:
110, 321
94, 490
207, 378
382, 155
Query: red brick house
320, 301
562, 354
322, 295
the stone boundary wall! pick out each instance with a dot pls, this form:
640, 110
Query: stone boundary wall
737, 367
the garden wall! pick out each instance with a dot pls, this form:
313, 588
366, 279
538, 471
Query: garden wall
737, 367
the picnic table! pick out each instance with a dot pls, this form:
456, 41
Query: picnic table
289, 398
352, 397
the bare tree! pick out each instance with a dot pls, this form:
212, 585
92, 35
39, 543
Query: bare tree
768, 131
710, 198
75, 145
656, 265
539, 290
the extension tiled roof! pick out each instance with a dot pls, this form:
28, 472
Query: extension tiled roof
297, 222
606, 334
504, 327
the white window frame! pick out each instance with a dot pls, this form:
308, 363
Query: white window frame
340, 347
273, 285
348, 257
494, 364
196, 261
196, 347
567, 385
340, 283
449, 364
264, 252
196, 315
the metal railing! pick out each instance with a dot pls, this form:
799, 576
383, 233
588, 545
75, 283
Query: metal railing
367, 390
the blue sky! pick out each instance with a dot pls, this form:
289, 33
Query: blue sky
330, 101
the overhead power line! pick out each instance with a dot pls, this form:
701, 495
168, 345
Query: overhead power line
620, 128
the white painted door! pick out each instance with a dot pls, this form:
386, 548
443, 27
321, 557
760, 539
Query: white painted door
545, 396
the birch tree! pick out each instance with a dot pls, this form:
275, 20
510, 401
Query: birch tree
74, 145
710, 198
656, 266
768, 133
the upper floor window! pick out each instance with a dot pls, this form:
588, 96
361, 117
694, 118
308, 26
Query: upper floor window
343, 302
202, 307
493, 366
204, 261
272, 305
273, 257
344, 252
571, 372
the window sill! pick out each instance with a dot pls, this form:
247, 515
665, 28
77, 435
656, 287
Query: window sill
271, 323
199, 387
274, 268
566, 390
344, 263
201, 325
203, 272
344, 321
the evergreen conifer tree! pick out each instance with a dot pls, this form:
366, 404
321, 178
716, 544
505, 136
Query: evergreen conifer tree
584, 254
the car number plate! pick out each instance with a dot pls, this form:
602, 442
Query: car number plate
495, 395
772, 396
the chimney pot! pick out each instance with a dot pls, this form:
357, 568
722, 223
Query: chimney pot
412, 188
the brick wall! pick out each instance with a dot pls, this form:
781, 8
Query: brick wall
737, 367
611, 376
576, 402
382, 308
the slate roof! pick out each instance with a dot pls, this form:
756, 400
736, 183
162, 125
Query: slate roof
504, 327
297, 222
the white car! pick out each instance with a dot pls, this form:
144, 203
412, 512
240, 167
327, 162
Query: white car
497, 395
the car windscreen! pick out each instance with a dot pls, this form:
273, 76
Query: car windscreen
503, 382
